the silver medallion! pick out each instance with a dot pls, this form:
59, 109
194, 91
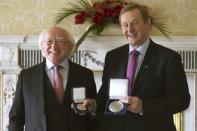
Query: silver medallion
116, 106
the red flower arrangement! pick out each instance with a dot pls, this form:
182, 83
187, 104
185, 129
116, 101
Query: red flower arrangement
99, 14
103, 10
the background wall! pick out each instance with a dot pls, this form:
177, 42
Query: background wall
29, 17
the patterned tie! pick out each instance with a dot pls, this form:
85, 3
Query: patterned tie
131, 68
58, 84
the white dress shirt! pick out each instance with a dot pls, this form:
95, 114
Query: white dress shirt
142, 51
63, 71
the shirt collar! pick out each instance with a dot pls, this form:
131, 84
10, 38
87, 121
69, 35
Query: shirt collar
49, 64
142, 48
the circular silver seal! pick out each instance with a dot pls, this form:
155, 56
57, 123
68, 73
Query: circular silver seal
116, 106
81, 107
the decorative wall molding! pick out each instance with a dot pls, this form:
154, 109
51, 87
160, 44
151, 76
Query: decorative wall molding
176, 41
4, 39
8, 55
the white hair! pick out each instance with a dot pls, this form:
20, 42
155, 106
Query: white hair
45, 31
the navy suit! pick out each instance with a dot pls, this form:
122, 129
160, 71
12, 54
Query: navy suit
160, 84
31, 103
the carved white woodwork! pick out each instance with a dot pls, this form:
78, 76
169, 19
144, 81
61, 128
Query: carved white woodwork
9, 87
8, 56
190, 115
91, 55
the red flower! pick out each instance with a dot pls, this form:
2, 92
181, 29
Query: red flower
80, 18
99, 7
109, 12
97, 18
118, 8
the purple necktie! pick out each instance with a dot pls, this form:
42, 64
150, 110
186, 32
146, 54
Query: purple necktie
131, 68
58, 84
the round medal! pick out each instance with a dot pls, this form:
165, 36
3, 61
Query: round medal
116, 106
81, 107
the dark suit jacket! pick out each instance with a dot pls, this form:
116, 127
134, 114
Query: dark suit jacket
29, 106
160, 83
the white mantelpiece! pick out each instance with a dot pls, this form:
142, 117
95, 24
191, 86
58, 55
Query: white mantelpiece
91, 55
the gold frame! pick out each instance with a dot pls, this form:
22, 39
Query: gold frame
178, 121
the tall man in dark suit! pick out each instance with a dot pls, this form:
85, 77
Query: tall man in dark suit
160, 88
36, 106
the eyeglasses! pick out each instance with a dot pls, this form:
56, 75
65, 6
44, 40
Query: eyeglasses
56, 41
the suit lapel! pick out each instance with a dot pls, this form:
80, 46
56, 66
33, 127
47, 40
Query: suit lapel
69, 85
123, 59
145, 68
39, 86
69, 75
